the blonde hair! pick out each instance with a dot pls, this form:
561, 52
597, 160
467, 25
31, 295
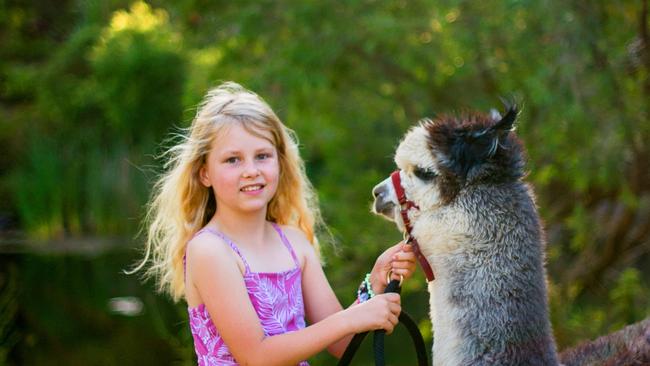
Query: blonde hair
180, 205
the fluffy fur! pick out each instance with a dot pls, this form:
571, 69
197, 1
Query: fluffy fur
478, 226
627, 347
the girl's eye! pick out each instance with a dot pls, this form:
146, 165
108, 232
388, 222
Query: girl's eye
263, 156
232, 160
425, 174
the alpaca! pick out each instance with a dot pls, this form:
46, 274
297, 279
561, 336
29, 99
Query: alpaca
629, 346
477, 225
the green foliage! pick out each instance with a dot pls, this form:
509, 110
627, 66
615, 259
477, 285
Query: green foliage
139, 75
39, 192
625, 303
628, 299
102, 103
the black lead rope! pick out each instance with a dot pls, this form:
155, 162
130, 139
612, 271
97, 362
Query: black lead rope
378, 341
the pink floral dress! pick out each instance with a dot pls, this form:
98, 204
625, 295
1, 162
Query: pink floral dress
276, 297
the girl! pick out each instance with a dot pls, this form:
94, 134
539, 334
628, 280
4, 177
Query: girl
231, 230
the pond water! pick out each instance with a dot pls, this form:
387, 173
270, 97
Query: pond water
75, 306
81, 309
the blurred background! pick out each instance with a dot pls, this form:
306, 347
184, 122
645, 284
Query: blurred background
89, 91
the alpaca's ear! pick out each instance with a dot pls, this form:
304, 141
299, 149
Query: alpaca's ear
507, 122
472, 148
484, 143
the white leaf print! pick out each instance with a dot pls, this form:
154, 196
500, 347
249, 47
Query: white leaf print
265, 296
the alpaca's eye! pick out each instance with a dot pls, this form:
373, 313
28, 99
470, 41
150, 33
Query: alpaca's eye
424, 174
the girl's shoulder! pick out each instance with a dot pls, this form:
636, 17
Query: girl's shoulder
205, 238
298, 241
202, 245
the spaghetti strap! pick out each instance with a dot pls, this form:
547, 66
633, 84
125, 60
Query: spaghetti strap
286, 243
227, 240
234, 247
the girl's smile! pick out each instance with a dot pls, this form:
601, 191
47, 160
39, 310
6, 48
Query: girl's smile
253, 189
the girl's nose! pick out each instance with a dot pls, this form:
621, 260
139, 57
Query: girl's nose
251, 170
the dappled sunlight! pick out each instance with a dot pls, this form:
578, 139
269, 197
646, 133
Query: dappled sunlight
140, 17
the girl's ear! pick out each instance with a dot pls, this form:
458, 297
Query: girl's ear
204, 177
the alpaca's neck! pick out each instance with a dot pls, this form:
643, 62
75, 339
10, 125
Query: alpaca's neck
476, 322
448, 338
488, 301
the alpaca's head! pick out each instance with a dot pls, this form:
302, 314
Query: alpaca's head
438, 158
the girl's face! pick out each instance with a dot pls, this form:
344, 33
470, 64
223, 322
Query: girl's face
242, 169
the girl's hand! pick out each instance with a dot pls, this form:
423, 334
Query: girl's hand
399, 259
380, 312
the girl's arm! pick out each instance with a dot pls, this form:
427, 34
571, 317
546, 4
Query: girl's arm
320, 300
218, 279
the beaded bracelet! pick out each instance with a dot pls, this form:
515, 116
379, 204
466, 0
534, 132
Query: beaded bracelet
365, 293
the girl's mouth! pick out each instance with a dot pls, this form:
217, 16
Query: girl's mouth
253, 188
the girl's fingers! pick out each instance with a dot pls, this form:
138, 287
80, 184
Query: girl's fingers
393, 298
395, 309
404, 268
396, 276
406, 247
404, 256
402, 265
393, 320
396, 248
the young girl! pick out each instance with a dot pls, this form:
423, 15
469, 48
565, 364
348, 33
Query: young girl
231, 230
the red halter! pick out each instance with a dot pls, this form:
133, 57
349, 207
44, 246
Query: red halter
405, 206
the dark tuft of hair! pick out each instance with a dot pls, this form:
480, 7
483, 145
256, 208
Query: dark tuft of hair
475, 148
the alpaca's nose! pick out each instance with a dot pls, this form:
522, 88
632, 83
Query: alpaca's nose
377, 191
383, 204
